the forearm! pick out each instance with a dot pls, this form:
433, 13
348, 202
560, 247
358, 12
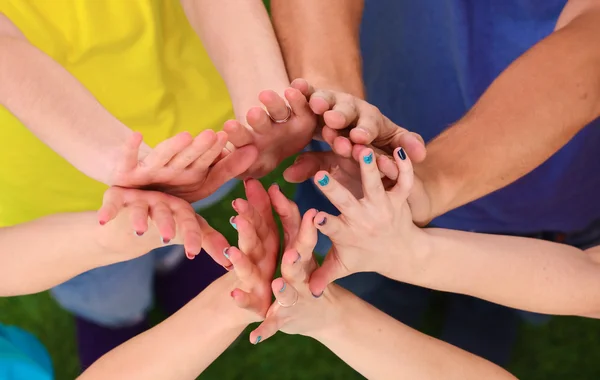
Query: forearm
38, 255
241, 42
380, 347
320, 41
523, 273
55, 107
528, 113
182, 346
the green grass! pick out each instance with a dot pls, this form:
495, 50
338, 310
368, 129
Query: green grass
565, 348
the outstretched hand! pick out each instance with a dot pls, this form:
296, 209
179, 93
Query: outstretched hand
188, 167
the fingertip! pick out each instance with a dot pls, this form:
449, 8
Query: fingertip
278, 285
335, 119
342, 146
254, 115
320, 219
318, 105
321, 178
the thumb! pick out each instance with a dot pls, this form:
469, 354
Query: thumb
306, 166
328, 272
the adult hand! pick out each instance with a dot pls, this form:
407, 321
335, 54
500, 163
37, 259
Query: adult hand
175, 220
255, 258
374, 234
275, 140
347, 115
188, 167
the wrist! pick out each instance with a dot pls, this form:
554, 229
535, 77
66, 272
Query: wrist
219, 297
336, 313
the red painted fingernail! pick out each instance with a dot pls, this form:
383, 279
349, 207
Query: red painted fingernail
165, 241
139, 233
231, 294
102, 222
229, 268
189, 255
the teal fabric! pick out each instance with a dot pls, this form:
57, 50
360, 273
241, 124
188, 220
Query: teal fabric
22, 356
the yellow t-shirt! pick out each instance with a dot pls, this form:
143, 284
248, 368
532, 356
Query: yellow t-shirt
140, 58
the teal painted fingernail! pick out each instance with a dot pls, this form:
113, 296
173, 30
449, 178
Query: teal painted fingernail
282, 288
225, 252
231, 221
324, 181
258, 339
368, 159
402, 154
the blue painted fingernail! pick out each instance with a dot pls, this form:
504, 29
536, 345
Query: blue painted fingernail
225, 252
282, 288
231, 221
298, 258
324, 181
368, 159
258, 339
402, 154
318, 295
322, 221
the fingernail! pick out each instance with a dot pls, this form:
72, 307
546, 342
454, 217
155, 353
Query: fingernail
363, 130
102, 222
189, 255
138, 233
226, 253
246, 181
324, 181
282, 288
319, 295
231, 294
258, 339
164, 241
402, 154
231, 221
322, 221
229, 268
298, 159
298, 258
368, 159
233, 204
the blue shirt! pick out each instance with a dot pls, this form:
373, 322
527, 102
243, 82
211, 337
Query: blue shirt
22, 356
427, 62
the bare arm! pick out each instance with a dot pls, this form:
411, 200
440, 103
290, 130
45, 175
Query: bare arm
524, 273
182, 346
320, 41
56, 107
528, 113
380, 347
240, 40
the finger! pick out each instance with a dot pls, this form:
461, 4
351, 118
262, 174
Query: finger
342, 146
288, 212
245, 210
195, 150
130, 152
329, 225
246, 301
266, 329
229, 167
329, 135
238, 134
274, 103
206, 159
371, 180
338, 195
163, 219
307, 164
343, 114
401, 190
165, 151
298, 262
387, 167
112, 203
248, 241
322, 101
188, 229
139, 216
213, 242
258, 119
243, 267
259, 199
298, 102
303, 86
285, 294
329, 271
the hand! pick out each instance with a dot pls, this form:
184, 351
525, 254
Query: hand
368, 126
374, 234
274, 141
345, 170
296, 310
174, 219
185, 166
255, 260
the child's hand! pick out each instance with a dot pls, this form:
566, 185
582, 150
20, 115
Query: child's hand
282, 134
374, 234
185, 166
174, 220
255, 260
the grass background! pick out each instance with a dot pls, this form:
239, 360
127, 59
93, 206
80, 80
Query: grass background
564, 348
